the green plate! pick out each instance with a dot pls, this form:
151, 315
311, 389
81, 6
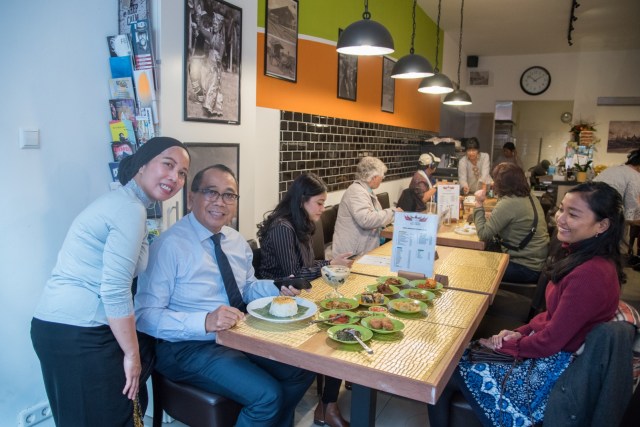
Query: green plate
353, 318
351, 303
357, 297
396, 304
371, 313
417, 293
365, 333
402, 280
416, 283
374, 288
397, 325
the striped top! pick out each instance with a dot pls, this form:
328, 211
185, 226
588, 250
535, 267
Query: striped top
283, 255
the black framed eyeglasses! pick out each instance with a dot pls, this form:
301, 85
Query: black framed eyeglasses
212, 195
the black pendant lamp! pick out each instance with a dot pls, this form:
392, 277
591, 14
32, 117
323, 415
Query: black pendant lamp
365, 37
412, 66
458, 96
438, 83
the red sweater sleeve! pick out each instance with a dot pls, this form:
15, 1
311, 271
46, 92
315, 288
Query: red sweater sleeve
585, 297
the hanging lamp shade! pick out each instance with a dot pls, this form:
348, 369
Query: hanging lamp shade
457, 97
436, 84
365, 38
412, 66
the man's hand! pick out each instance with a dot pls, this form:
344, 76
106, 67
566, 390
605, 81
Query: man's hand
224, 317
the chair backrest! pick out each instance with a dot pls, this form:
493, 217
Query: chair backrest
410, 202
317, 241
257, 256
383, 198
328, 219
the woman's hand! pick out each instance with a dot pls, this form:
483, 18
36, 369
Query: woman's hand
342, 259
132, 370
289, 291
481, 196
495, 342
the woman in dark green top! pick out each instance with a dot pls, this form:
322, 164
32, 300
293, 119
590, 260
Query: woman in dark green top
511, 221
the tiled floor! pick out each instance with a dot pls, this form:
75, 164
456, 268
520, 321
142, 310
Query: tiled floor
395, 411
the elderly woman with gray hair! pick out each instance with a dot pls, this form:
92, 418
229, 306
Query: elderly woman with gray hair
360, 216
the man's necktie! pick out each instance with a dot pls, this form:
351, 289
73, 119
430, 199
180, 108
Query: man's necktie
235, 298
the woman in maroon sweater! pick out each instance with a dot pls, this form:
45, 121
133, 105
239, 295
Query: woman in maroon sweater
583, 291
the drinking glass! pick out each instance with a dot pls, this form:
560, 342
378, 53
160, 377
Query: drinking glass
334, 276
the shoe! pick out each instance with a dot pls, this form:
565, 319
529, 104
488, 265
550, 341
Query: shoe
328, 414
347, 385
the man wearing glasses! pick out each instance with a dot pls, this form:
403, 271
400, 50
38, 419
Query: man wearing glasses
198, 281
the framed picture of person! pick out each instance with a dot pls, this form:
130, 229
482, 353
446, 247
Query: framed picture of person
388, 85
281, 39
206, 154
347, 76
212, 52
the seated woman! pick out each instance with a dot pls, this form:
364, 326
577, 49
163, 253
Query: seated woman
583, 291
286, 250
511, 222
421, 188
360, 216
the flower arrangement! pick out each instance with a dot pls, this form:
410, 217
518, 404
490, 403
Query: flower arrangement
582, 168
582, 133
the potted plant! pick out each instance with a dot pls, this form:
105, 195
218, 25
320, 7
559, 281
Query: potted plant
581, 171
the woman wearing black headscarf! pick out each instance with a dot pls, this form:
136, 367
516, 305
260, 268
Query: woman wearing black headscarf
83, 330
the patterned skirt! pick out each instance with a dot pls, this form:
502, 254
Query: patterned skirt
506, 394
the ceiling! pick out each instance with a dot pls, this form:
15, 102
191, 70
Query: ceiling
524, 27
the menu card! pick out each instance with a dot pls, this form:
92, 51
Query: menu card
449, 201
414, 242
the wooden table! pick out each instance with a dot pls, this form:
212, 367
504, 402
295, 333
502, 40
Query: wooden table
468, 270
447, 237
415, 363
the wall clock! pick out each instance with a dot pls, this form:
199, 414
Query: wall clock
535, 80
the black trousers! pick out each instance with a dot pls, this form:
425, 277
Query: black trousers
84, 376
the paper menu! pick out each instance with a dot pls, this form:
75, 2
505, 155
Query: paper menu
414, 242
449, 200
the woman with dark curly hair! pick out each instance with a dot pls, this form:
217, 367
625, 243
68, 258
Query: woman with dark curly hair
511, 223
583, 291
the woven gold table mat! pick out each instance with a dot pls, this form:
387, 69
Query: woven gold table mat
290, 334
455, 308
468, 277
423, 347
474, 259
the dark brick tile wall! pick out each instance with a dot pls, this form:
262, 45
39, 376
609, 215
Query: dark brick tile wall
331, 147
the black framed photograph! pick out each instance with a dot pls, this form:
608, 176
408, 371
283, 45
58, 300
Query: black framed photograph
212, 52
479, 78
347, 76
208, 154
281, 40
388, 85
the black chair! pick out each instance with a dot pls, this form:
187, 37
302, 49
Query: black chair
317, 241
257, 256
328, 219
383, 198
190, 405
410, 202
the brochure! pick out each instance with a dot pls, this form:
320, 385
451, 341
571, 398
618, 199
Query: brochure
414, 242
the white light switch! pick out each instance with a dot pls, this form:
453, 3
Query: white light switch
29, 138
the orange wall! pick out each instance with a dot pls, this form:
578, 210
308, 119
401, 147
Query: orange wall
315, 91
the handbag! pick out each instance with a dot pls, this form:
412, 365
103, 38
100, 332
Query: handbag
138, 418
477, 353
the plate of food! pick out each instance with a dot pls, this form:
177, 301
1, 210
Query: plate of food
282, 309
392, 280
370, 313
408, 306
428, 284
338, 317
382, 324
338, 333
383, 288
339, 304
371, 298
466, 229
417, 293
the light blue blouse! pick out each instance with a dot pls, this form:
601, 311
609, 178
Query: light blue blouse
104, 249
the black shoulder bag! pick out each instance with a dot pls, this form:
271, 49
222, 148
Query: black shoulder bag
529, 236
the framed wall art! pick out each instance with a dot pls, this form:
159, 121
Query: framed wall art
388, 85
281, 40
212, 52
623, 137
479, 78
207, 154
